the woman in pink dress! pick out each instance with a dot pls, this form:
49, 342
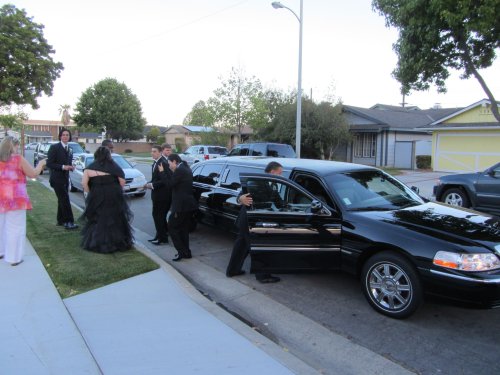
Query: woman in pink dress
14, 200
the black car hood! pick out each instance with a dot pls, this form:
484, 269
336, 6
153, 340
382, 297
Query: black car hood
457, 225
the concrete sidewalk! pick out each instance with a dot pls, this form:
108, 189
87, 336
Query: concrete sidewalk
155, 323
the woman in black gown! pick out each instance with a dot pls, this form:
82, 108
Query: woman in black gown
107, 216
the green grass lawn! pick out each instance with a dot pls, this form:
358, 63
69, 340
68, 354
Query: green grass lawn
72, 269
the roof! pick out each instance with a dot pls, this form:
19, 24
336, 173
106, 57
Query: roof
459, 111
89, 135
48, 122
320, 167
32, 133
399, 118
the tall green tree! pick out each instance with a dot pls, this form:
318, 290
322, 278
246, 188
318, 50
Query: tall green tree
111, 105
153, 135
438, 35
201, 114
237, 102
27, 69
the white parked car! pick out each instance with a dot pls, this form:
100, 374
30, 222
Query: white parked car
195, 154
134, 179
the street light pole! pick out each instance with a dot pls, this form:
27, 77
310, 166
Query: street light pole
277, 5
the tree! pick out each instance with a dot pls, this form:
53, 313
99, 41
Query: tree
213, 137
238, 101
64, 113
111, 105
10, 121
27, 69
201, 114
153, 135
438, 35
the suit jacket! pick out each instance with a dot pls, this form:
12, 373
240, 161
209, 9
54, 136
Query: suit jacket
181, 184
56, 158
161, 191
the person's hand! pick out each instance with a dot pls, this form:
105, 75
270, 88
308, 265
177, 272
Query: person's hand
160, 167
43, 163
246, 199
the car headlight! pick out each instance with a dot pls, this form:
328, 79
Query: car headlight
466, 262
140, 179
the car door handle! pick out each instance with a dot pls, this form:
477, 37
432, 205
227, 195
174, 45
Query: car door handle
267, 225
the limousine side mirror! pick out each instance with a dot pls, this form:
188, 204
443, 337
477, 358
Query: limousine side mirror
316, 206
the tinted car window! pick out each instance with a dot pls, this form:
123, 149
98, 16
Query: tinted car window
259, 150
232, 179
280, 151
239, 151
207, 174
76, 148
217, 150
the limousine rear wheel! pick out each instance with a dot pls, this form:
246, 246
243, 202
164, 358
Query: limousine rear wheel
391, 285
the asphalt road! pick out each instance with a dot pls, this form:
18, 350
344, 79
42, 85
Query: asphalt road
304, 311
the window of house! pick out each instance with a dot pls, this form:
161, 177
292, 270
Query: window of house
365, 145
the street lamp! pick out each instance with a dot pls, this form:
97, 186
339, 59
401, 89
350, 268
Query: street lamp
278, 5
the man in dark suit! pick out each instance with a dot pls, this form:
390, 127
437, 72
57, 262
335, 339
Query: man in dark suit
160, 196
60, 162
241, 247
183, 205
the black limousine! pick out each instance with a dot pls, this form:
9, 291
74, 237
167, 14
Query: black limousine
341, 216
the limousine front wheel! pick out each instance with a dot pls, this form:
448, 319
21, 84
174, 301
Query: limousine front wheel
391, 285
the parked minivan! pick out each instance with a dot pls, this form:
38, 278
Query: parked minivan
276, 150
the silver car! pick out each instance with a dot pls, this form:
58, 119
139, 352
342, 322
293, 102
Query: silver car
134, 179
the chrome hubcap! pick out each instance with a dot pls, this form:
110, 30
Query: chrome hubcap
389, 286
454, 199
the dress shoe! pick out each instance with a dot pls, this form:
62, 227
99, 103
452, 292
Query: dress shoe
70, 226
1, 256
17, 263
158, 242
178, 258
237, 273
153, 239
269, 279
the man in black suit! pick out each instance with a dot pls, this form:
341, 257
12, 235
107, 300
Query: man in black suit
183, 205
60, 162
241, 247
160, 196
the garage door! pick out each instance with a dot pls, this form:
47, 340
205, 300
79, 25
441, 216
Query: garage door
466, 152
403, 155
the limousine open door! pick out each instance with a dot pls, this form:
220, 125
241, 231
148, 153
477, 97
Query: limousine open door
289, 229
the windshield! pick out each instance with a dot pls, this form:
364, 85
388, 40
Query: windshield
371, 190
122, 163
76, 148
217, 150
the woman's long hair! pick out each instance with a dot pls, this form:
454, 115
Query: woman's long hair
102, 155
7, 148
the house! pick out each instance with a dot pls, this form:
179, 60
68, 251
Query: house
45, 130
183, 136
390, 136
465, 140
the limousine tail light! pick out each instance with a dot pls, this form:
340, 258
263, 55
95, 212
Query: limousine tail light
467, 262
206, 157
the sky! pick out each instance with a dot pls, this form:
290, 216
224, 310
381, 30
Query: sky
173, 53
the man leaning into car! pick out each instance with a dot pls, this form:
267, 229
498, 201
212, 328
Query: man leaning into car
241, 245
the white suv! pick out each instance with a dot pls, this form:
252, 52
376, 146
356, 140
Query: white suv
197, 153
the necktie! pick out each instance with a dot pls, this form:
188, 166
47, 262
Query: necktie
66, 148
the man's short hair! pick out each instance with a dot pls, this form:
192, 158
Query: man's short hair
107, 143
272, 166
166, 145
157, 147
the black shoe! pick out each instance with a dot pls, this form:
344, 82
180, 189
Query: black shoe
153, 239
269, 279
232, 274
158, 242
177, 258
70, 226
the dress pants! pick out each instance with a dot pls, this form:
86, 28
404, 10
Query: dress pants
178, 224
13, 235
241, 245
160, 210
64, 212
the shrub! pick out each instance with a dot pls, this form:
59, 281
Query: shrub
423, 161
128, 151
